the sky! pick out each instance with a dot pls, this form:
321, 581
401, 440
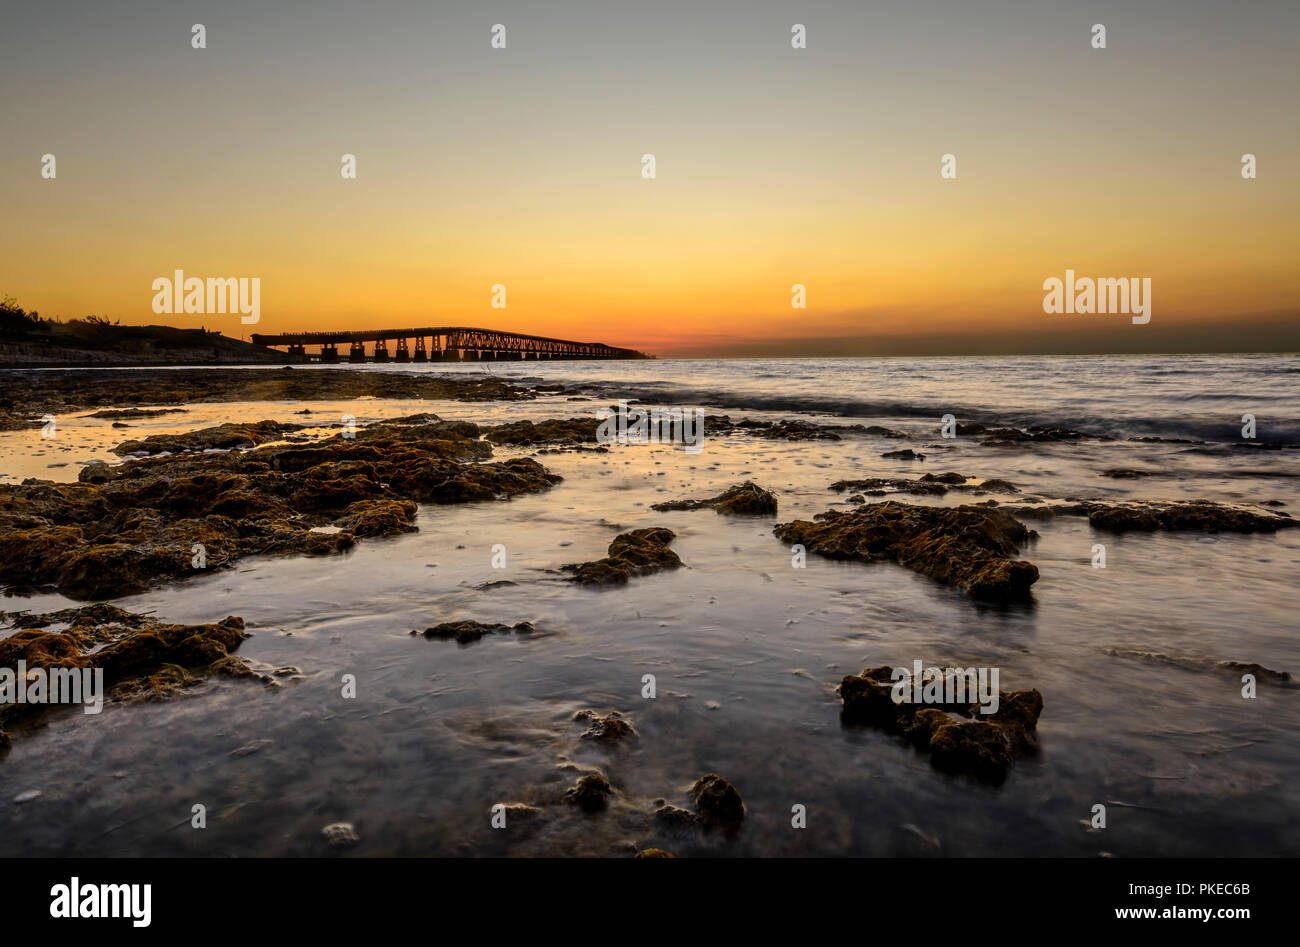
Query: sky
774, 166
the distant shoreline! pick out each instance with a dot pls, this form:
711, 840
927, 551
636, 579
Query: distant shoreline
26, 341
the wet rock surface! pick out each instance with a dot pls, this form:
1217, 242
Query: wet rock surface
121, 414
609, 730
577, 431
675, 819
467, 632
787, 429
1012, 436
929, 485
553, 431
591, 792
718, 806
718, 803
935, 485
640, 552
1203, 516
969, 547
958, 737
63, 390
221, 437
1261, 673
746, 499
124, 527
141, 657
1200, 515
340, 835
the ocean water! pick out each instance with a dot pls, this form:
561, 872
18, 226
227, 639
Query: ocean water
1193, 396
745, 650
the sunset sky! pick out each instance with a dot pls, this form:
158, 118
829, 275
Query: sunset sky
775, 166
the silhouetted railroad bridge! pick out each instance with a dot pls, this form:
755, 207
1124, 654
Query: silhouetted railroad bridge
438, 344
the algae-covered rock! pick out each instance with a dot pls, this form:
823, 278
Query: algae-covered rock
746, 499
551, 431
786, 429
958, 736
124, 528
1202, 516
929, 485
934, 485
340, 835
1035, 434
140, 657
972, 746
972, 548
675, 819
378, 517
221, 437
64, 390
609, 729
640, 552
122, 413
465, 632
591, 792
1194, 515
718, 802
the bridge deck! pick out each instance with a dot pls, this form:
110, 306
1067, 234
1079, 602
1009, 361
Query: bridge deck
444, 342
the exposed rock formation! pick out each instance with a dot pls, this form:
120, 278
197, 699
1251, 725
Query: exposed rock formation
551, 431
972, 548
608, 730
936, 485
959, 739
746, 499
591, 792
466, 632
640, 552
123, 528
221, 437
718, 803
140, 656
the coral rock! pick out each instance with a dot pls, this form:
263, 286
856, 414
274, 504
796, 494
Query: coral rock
608, 730
718, 802
640, 552
591, 792
746, 499
967, 546
959, 739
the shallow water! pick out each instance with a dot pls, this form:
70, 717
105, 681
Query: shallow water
745, 650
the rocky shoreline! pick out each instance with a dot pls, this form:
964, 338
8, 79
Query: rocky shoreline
28, 395
140, 657
124, 527
179, 505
